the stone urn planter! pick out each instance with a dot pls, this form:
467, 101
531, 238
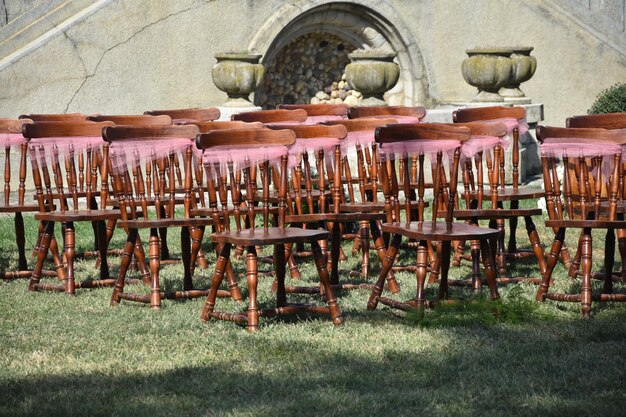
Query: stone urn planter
524, 67
237, 74
372, 73
488, 69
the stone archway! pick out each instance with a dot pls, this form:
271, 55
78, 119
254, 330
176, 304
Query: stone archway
356, 25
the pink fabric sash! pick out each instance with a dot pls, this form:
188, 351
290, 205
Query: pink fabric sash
134, 151
312, 120
63, 144
402, 120
510, 123
307, 145
11, 139
240, 157
478, 144
574, 148
418, 146
362, 138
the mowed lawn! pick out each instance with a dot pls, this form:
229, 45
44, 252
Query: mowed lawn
77, 356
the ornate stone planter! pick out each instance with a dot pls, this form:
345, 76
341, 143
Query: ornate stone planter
372, 73
524, 67
237, 74
488, 69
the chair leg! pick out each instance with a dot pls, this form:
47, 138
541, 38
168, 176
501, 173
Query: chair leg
103, 246
609, 261
127, 253
165, 252
68, 249
501, 257
512, 245
335, 245
251, 273
197, 233
185, 248
42, 252
390, 258
475, 253
331, 300
38, 241
575, 264
533, 236
381, 250
586, 270
22, 264
218, 276
56, 258
140, 256
235, 292
155, 265
420, 275
621, 246
279, 262
435, 264
445, 267
553, 257
364, 233
487, 253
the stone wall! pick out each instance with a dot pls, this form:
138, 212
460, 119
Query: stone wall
129, 56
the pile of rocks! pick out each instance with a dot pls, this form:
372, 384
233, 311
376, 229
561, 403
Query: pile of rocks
303, 67
336, 93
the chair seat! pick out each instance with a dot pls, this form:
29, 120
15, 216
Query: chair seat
16, 208
511, 194
152, 223
592, 224
368, 206
270, 236
78, 215
488, 214
333, 217
429, 230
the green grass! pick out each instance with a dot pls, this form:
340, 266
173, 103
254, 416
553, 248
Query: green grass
77, 356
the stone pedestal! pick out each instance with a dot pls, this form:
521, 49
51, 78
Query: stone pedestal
530, 162
226, 112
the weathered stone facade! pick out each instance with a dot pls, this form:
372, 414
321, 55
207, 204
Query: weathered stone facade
127, 56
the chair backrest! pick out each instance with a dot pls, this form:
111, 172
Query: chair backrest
603, 121
273, 116
502, 113
13, 141
592, 159
375, 111
75, 154
318, 109
207, 126
257, 150
144, 167
404, 142
132, 119
198, 114
52, 117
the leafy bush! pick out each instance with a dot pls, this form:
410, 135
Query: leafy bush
611, 100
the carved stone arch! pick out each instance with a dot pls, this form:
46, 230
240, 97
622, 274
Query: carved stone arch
367, 27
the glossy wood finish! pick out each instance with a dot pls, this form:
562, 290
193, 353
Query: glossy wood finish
77, 177
272, 116
52, 117
207, 126
280, 237
132, 119
318, 109
414, 225
197, 114
584, 212
603, 121
514, 193
375, 111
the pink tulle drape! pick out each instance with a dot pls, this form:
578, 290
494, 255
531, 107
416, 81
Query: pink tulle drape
63, 144
11, 139
574, 148
362, 138
418, 146
402, 120
312, 120
478, 144
510, 123
239, 157
124, 152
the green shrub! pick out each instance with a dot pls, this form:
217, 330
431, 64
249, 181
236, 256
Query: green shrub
611, 100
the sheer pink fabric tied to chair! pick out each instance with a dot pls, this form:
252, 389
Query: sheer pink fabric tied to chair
11, 139
147, 150
510, 123
224, 160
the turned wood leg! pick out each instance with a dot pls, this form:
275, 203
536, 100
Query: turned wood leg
381, 250
575, 263
420, 275
475, 254
57, 260
127, 253
155, 265
279, 258
20, 239
586, 270
251, 274
218, 276
487, 253
553, 257
235, 292
68, 249
621, 246
609, 260
435, 265
38, 241
196, 245
42, 252
165, 251
335, 244
140, 257
388, 261
445, 267
185, 248
103, 246
501, 258
331, 300
365, 245
512, 245
533, 236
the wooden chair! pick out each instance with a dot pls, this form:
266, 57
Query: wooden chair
402, 114
58, 117
514, 118
318, 113
132, 119
75, 148
217, 144
486, 141
13, 201
398, 142
180, 116
596, 158
273, 116
143, 171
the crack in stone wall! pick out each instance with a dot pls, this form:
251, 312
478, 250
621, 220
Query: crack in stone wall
88, 75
